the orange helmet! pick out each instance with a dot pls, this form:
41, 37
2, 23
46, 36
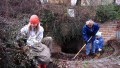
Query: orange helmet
34, 19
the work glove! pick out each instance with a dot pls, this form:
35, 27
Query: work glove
92, 34
87, 42
32, 41
99, 49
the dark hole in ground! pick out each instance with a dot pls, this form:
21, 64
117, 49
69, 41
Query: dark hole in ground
71, 46
107, 51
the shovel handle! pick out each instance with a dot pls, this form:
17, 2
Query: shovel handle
81, 49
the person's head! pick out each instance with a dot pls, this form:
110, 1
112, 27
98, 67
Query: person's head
98, 34
34, 21
90, 23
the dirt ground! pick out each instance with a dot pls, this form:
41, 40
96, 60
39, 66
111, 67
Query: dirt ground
110, 61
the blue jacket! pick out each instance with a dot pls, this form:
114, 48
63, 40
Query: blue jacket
99, 42
87, 32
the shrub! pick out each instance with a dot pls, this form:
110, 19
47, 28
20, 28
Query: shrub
67, 34
107, 12
15, 8
47, 20
67, 30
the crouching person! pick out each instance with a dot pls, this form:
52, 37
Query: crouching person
99, 42
34, 49
89, 30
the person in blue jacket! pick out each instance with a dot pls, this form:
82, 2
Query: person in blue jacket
98, 42
89, 30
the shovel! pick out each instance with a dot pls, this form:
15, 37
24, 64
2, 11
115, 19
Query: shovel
81, 49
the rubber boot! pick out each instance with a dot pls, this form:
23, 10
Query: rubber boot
97, 55
43, 66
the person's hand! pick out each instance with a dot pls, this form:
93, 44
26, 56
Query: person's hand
32, 40
93, 34
99, 49
87, 42
35, 41
97, 41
